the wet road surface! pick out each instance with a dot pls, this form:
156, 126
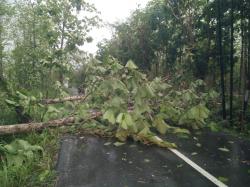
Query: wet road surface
87, 162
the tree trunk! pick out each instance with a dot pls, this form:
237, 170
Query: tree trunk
61, 48
221, 62
1, 53
246, 79
231, 61
241, 53
61, 100
29, 127
1, 64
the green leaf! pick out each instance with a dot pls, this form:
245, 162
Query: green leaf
109, 115
180, 131
44, 175
52, 109
122, 134
195, 116
223, 179
107, 143
131, 65
124, 125
224, 149
120, 117
22, 96
19, 151
125, 120
117, 144
158, 141
128, 119
117, 84
117, 101
150, 90
144, 132
161, 126
13, 103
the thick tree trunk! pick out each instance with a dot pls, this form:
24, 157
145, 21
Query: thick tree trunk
29, 127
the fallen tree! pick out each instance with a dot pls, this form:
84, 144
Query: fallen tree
61, 100
132, 105
29, 127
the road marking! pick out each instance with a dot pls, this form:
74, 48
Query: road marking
198, 168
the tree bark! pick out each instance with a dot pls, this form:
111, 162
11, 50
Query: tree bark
1, 52
221, 62
61, 100
61, 47
242, 50
29, 127
232, 61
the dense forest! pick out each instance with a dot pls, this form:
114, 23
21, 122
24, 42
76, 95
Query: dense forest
189, 40
172, 67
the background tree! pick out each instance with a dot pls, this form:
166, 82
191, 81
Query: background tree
183, 40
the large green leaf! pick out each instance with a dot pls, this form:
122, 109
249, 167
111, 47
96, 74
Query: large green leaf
160, 125
110, 116
20, 151
195, 115
131, 65
13, 103
125, 120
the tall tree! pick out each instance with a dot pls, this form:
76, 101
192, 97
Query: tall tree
220, 58
3, 12
232, 61
48, 35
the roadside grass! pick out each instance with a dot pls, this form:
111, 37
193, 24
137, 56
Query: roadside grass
37, 172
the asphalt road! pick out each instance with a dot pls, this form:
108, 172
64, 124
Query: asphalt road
87, 162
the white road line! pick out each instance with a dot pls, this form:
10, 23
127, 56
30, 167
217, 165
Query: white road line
198, 168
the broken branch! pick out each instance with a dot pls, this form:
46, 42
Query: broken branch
61, 100
29, 127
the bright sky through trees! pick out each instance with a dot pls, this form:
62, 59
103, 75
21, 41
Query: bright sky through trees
111, 12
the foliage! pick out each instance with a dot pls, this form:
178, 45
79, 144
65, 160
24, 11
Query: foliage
181, 40
133, 106
7, 115
23, 164
19, 152
43, 42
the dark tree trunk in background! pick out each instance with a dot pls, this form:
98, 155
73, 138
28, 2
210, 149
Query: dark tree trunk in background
241, 53
247, 72
220, 58
232, 61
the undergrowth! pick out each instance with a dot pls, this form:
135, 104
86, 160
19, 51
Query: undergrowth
23, 163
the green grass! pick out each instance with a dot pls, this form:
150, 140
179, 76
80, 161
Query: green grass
35, 173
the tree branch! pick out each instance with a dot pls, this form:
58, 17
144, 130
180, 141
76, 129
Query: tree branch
29, 127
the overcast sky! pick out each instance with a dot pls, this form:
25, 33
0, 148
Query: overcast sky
111, 12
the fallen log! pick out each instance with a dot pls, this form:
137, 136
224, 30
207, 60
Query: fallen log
29, 127
61, 100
